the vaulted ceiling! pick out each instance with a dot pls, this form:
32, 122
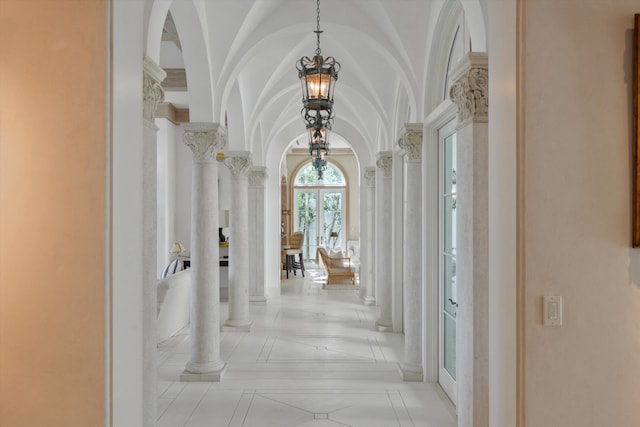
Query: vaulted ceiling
251, 47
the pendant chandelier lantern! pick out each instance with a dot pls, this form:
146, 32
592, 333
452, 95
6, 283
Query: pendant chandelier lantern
318, 77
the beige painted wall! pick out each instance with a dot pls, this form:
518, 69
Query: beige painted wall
577, 215
349, 165
52, 212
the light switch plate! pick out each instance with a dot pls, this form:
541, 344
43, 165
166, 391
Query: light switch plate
552, 310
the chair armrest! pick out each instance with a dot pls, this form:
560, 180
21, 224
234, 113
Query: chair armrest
339, 262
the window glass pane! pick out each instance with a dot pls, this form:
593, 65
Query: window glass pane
306, 207
309, 176
332, 176
332, 207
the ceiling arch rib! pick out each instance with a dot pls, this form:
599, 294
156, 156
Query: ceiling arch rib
236, 122
368, 57
255, 16
379, 15
291, 129
284, 110
157, 17
283, 119
196, 59
363, 115
364, 89
444, 32
475, 20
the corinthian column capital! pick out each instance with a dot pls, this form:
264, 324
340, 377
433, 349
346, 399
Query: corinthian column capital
370, 176
411, 141
205, 140
470, 90
257, 176
238, 163
153, 94
385, 163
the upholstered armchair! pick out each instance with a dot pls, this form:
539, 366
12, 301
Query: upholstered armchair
337, 268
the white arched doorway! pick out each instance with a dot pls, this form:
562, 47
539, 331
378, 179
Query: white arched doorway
125, 209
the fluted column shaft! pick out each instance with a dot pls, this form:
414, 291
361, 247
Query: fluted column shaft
257, 176
205, 140
383, 237
238, 163
153, 94
411, 143
367, 249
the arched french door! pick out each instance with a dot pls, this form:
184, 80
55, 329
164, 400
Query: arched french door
319, 209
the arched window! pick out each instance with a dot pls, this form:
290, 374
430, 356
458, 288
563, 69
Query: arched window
319, 208
309, 176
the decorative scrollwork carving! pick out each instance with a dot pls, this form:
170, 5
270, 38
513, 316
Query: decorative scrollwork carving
385, 163
153, 95
411, 142
370, 176
205, 141
257, 176
152, 91
238, 163
471, 94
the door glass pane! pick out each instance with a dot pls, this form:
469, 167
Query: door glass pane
306, 221
449, 225
449, 344
449, 288
319, 212
333, 219
449, 303
449, 166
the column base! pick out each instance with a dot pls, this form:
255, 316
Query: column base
410, 372
256, 299
212, 375
236, 326
369, 301
215, 376
384, 326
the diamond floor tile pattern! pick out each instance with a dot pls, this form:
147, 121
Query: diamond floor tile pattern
312, 359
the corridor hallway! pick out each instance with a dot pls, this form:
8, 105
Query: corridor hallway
312, 358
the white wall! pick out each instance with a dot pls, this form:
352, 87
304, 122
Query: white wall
166, 191
183, 165
577, 215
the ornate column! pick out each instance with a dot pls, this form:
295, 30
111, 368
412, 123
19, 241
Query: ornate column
470, 93
238, 163
257, 176
383, 237
411, 143
368, 246
205, 140
153, 94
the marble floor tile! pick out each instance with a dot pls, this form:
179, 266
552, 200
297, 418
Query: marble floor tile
313, 358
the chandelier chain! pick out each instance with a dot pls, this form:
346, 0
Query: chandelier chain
318, 76
318, 26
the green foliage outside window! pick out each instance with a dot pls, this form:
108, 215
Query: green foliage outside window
309, 176
331, 205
